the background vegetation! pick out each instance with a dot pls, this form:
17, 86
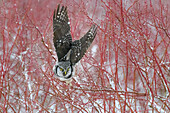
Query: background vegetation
125, 70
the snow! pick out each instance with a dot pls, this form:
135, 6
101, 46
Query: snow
46, 45
29, 84
50, 50
94, 49
37, 27
24, 52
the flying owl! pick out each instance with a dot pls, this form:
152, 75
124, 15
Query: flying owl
68, 52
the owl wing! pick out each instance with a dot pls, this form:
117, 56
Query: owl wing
61, 30
79, 47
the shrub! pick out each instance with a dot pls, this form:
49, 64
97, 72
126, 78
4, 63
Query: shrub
125, 70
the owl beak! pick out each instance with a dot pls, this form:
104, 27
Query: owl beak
65, 72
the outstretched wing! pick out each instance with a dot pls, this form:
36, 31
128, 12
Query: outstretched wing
62, 37
79, 47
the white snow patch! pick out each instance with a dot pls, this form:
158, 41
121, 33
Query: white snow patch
46, 45
94, 50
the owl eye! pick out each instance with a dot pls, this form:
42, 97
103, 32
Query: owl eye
68, 69
61, 69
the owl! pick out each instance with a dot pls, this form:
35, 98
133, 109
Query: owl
68, 52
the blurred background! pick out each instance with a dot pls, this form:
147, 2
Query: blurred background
126, 69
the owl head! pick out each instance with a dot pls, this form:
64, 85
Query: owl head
63, 70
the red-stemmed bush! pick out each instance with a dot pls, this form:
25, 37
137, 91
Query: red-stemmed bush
126, 69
